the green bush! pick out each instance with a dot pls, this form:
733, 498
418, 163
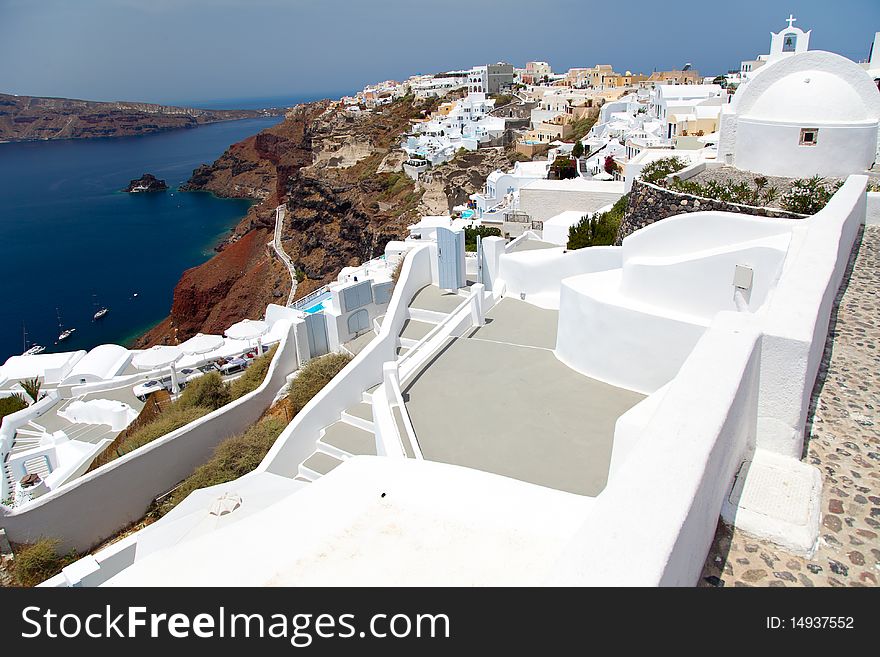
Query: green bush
564, 168
470, 235
599, 229
729, 192
809, 196
581, 127
36, 562
312, 378
577, 150
659, 169
10, 405
171, 419
208, 391
233, 458
253, 376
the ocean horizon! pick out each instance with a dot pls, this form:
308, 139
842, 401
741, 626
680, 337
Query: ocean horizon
73, 241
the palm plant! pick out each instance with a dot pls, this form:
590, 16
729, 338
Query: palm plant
32, 387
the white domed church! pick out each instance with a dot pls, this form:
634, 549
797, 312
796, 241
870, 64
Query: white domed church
806, 113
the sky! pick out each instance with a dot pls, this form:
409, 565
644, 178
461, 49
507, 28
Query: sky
186, 51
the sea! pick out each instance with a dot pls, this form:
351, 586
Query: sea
71, 241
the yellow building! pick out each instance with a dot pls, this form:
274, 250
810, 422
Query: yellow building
691, 76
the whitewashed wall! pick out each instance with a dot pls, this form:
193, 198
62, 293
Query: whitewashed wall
798, 314
654, 522
98, 504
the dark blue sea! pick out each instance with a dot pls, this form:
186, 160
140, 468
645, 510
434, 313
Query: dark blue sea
69, 237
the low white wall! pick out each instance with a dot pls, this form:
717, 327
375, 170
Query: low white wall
539, 274
630, 345
298, 440
655, 521
96, 505
872, 214
797, 316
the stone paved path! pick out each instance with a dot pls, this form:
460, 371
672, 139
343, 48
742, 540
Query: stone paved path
844, 443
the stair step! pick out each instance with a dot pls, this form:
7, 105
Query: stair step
347, 440
360, 416
368, 394
318, 464
415, 330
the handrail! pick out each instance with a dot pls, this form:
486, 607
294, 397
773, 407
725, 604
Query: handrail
394, 382
311, 296
436, 330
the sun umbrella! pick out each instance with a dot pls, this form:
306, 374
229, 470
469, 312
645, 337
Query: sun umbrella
201, 343
248, 329
159, 356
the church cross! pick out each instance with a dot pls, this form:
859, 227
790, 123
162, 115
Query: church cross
791, 19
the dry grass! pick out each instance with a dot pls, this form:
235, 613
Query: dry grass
36, 562
316, 374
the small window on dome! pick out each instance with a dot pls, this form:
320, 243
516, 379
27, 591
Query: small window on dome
809, 136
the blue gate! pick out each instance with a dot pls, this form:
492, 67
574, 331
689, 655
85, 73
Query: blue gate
450, 258
316, 328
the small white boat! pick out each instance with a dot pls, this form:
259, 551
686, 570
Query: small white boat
103, 311
34, 349
65, 333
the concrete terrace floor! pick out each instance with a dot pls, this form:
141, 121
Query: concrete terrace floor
500, 401
843, 441
433, 298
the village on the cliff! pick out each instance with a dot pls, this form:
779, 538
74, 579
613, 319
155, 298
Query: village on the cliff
607, 366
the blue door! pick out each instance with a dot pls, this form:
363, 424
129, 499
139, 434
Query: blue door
316, 328
450, 255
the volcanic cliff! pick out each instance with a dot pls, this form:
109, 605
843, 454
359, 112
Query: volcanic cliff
340, 177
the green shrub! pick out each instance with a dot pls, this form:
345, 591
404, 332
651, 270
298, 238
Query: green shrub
564, 168
233, 458
312, 378
599, 229
470, 235
171, 419
659, 169
809, 196
36, 562
577, 150
729, 192
10, 405
208, 391
253, 376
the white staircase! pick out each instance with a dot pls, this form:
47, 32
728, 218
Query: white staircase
351, 435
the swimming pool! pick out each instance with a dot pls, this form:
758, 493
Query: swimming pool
318, 307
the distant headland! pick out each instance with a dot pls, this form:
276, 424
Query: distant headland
30, 118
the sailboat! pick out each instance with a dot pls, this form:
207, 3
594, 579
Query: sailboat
65, 333
103, 310
34, 349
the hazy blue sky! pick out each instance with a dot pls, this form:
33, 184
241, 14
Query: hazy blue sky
190, 50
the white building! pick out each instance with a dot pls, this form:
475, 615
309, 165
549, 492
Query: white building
811, 113
502, 188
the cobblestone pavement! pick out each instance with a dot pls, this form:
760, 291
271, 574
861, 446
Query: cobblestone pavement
844, 443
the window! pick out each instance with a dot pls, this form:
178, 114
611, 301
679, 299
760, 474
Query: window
809, 136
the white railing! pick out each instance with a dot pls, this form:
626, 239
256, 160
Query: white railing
473, 302
299, 304
394, 397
